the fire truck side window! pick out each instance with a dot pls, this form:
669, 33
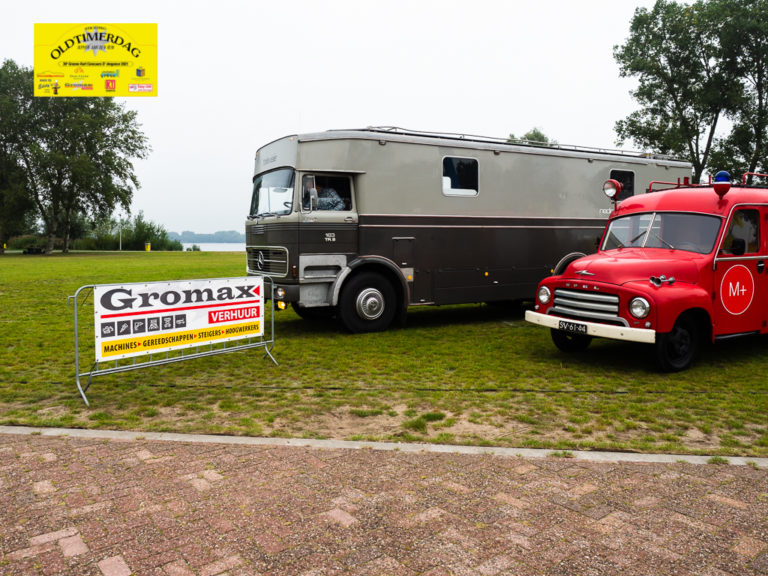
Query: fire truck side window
745, 226
627, 181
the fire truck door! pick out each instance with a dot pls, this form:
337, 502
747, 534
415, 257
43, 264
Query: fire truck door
741, 279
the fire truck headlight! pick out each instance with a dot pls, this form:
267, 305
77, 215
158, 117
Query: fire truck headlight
544, 295
639, 307
279, 293
611, 188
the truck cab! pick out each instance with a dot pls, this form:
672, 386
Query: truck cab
675, 269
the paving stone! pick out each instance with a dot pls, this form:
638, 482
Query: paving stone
93, 508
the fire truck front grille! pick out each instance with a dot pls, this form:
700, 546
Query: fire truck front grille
269, 261
587, 306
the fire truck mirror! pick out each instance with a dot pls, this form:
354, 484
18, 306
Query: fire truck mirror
738, 246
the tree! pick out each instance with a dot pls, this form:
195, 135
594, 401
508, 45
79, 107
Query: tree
744, 37
534, 135
76, 153
16, 207
685, 82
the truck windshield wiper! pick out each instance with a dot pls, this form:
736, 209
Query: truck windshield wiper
637, 237
660, 239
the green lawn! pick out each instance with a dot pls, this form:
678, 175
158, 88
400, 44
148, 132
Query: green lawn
463, 374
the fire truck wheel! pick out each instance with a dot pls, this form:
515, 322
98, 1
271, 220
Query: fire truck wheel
676, 349
367, 303
568, 342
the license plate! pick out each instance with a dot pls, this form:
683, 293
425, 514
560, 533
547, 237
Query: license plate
572, 327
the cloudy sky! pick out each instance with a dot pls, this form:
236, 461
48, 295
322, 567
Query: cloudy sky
234, 76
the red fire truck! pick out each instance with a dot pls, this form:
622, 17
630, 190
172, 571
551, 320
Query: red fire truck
675, 268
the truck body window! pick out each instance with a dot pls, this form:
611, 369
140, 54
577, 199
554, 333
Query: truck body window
745, 226
627, 181
460, 176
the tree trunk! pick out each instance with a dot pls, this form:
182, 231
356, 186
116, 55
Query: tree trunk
49, 248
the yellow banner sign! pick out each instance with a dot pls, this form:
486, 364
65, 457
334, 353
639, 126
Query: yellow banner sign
171, 340
95, 59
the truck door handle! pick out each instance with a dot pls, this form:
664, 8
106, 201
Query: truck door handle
760, 266
349, 219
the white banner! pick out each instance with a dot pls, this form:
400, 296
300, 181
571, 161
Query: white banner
138, 319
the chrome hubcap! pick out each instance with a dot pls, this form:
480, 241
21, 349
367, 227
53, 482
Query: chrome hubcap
370, 304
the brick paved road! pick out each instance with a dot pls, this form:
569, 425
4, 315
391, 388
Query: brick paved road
107, 507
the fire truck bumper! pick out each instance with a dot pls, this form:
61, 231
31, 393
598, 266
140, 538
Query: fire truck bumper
592, 328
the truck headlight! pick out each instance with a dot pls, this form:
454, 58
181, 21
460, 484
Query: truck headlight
639, 307
279, 293
544, 295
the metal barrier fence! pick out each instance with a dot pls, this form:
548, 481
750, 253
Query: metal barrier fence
103, 368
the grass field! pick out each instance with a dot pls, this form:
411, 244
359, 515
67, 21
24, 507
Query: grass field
469, 374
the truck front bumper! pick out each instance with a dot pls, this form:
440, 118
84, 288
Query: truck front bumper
595, 329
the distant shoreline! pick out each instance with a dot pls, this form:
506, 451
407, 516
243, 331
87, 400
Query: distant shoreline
216, 246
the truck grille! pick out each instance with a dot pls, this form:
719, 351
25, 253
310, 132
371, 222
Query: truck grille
269, 261
253, 234
587, 306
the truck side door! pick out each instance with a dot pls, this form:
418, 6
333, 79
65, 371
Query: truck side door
328, 221
740, 277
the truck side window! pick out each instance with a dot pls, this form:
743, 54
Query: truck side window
745, 230
333, 192
627, 181
460, 176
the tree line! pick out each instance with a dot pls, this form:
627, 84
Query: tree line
63, 161
702, 73
702, 95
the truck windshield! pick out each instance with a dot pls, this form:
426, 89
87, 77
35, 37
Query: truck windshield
272, 193
671, 230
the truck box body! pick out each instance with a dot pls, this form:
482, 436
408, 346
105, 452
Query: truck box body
439, 219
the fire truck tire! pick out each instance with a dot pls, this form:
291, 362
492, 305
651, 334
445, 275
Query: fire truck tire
367, 303
676, 349
570, 342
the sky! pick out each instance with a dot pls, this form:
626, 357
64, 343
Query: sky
234, 76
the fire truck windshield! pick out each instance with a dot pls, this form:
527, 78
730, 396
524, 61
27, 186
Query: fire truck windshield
670, 230
272, 193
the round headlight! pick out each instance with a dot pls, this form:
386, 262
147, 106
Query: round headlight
612, 188
639, 307
544, 295
279, 293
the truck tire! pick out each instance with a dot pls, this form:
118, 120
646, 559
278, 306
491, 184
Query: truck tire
565, 261
676, 349
568, 342
367, 303
313, 314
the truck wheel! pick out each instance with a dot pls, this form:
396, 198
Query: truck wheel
568, 342
320, 313
565, 261
676, 349
367, 303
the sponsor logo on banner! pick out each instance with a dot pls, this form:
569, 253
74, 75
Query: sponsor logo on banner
136, 319
140, 88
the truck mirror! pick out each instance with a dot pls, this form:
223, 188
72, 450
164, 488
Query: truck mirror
313, 199
738, 246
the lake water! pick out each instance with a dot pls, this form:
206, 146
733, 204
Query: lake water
216, 246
